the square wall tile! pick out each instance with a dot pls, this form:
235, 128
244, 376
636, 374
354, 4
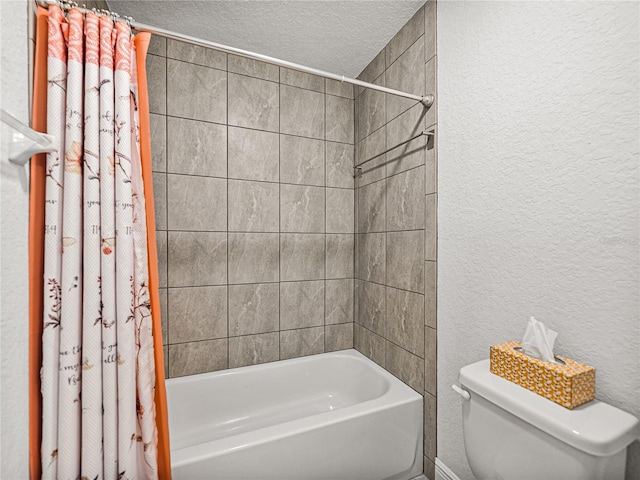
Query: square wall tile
373, 70
338, 301
411, 154
371, 208
197, 203
430, 426
210, 104
431, 231
339, 210
253, 154
158, 128
253, 206
431, 164
370, 111
338, 337
253, 257
302, 342
302, 160
187, 52
406, 36
429, 466
301, 80
430, 359
197, 313
405, 320
301, 209
301, 112
405, 74
339, 255
369, 150
157, 84
340, 89
432, 88
406, 366
254, 308
369, 344
197, 357
371, 299
196, 148
340, 121
162, 294
430, 29
253, 68
158, 46
197, 258
301, 257
370, 257
430, 294
339, 165
165, 353
253, 103
161, 245
160, 200
405, 200
405, 268
301, 304
254, 349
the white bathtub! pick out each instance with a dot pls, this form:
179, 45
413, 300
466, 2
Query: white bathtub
333, 416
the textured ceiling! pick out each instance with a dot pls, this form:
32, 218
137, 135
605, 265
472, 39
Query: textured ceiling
340, 36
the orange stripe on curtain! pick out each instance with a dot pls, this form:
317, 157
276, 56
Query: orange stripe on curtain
36, 245
164, 454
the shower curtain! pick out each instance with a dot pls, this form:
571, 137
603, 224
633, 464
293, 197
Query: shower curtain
95, 336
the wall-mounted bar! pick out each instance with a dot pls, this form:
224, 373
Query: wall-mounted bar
358, 167
426, 100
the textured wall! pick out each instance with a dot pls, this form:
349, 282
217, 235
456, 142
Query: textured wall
254, 209
395, 217
14, 216
538, 192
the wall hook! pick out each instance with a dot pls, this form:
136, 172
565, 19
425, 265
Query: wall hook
26, 142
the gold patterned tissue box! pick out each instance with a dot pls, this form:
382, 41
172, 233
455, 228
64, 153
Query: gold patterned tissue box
569, 384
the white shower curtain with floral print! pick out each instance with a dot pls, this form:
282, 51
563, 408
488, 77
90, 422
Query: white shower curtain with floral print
98, 376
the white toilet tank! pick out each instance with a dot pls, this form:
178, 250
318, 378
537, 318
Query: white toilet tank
511, 433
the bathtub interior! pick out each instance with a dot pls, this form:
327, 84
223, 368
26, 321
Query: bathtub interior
212, 406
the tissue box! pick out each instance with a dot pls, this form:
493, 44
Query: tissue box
569, 385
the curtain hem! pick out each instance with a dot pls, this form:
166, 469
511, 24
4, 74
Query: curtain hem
164, 452
36, 244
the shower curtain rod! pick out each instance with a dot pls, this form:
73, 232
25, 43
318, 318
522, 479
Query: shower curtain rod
426, 100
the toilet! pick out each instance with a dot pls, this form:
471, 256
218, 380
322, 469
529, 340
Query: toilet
511, 433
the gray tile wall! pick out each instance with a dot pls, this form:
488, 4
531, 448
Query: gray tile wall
254, 197
395, 217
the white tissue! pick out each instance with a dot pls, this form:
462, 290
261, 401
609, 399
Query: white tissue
538, 340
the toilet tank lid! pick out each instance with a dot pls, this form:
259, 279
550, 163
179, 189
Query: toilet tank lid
596, 428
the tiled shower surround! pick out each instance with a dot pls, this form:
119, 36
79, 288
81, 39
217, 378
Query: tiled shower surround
253, 186
266, 250
395, 250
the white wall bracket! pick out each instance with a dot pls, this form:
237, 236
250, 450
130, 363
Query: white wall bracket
26, 142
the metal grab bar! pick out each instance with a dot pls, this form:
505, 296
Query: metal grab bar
358, 167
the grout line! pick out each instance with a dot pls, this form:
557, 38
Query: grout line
279, 215
192, 63
264, 283
248, 128
391, 342
255, 181
227, 182
324, 305
166, 198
